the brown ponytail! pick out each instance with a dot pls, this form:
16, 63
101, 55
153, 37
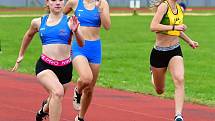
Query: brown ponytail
47, 7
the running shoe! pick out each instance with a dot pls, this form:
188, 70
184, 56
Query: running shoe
76, 100
78, 119
179, 117
40, 116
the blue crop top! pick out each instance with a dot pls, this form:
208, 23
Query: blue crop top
57, 34
89, 18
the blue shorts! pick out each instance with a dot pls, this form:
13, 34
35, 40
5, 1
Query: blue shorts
91, 50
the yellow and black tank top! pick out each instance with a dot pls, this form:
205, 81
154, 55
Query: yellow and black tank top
172, 19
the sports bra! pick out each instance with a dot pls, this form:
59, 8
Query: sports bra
57, 34
172, 19
89, 18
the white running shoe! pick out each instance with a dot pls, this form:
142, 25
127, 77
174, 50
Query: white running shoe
78, 119
76, 100
179, 117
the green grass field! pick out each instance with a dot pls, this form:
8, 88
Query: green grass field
22, 12
126, 49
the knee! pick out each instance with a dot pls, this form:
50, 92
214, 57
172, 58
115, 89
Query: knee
179, 81
86, 80
58, 93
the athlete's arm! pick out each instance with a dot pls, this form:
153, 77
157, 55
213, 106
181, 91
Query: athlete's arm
104, 13
33, 29
79, 38
74, 25
155, 24
70, 5
188, 40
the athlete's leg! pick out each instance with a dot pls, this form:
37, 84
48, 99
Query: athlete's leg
66, 87
176, 68
82, 66
46, 106
51, 83
158, 79
88, 91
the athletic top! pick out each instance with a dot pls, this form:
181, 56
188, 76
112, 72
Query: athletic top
89, 18
172, 19
57, 34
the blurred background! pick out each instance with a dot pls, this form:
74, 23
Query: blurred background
113, 3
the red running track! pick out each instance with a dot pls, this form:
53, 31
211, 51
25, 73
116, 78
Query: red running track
21, 96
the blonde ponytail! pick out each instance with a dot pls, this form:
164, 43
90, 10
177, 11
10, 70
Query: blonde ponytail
153, 4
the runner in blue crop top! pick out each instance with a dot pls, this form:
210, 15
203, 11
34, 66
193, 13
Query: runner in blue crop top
92, 14
54, 67
90, 18
58, 34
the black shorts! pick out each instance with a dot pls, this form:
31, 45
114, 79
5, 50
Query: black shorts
64, 73
160, 59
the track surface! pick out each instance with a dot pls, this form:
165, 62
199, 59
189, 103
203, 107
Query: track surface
21, 95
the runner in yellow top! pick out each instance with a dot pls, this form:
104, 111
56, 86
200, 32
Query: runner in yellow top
168, 26
171, 18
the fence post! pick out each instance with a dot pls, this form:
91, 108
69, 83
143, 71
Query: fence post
131, 4
136, 6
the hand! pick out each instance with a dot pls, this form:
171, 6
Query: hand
98, 5
75, 23
19, 59
194, 44
182, 27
